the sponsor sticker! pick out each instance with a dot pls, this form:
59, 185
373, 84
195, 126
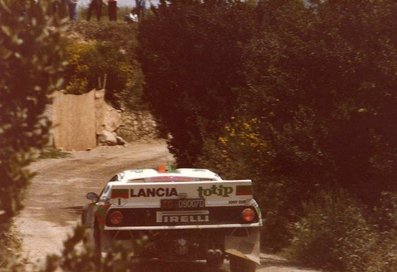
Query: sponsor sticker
243, 190
153, 192
182, 216
221, 190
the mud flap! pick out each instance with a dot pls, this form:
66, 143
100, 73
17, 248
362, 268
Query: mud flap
245, 245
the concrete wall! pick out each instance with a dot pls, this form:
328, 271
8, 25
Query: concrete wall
74, 121
79, 119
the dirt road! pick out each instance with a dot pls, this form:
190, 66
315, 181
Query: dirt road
57, 192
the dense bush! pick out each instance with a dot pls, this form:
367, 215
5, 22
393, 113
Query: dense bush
338, 233
383, 258
323, 88
240, 152
79, 255
104, 53
31, 55
191, 57
298, 95
310, 106
31, 68
333, 234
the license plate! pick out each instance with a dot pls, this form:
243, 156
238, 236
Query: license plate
183, 203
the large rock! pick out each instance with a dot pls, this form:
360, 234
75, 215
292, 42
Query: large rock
107, 117
107, 138
111, 118
120, 141
137, 125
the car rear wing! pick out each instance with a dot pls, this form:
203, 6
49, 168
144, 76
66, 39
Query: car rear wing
150, 194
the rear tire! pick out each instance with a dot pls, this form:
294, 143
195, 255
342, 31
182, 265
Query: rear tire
97, 243
241, 265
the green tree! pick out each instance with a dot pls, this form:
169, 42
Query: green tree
321, 79
191, 58
31, 67
325, 82
299, 95
316, 112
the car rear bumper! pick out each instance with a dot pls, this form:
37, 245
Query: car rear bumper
258, 224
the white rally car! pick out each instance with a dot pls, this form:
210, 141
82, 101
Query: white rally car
183, 214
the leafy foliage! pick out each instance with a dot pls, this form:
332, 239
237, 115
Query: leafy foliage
78, 255
333, 234
323, 87
309, 105
104, 53
383, 257
31, 65
31, 68
331, 93
298, 95
191, 58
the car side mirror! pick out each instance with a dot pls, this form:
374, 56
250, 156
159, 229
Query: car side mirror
92, 196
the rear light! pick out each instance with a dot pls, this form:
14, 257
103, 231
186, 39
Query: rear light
116, 217
248, 215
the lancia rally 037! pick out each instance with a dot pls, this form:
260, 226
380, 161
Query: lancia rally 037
185, 214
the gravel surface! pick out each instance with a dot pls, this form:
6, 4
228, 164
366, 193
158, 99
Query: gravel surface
57, 193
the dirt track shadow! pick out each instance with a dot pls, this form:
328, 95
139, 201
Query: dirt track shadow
269, 261
154, 266
275, 263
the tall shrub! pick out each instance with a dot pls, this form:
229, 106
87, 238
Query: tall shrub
333, 234
31, 68
191, 58
320, 85
321, 80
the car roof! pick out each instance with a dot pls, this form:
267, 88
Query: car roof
180, 174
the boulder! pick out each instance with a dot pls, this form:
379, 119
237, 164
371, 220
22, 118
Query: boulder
120, 141
107, 138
